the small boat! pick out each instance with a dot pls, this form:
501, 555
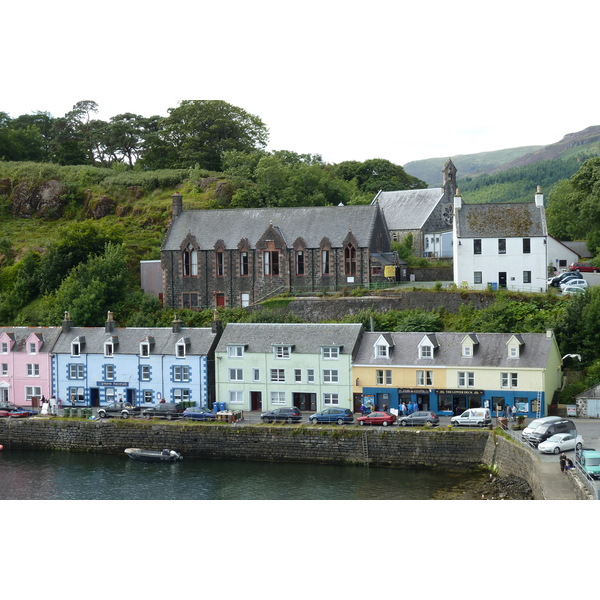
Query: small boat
153, 455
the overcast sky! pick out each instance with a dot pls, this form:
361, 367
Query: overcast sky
347, 80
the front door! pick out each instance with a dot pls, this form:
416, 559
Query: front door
502, 279
220, 299
304, 401
94, 397
255, 400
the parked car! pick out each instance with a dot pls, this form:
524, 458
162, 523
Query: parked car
590, 461
571, 290
119, 409
528, 431
479, 417
199, 413
377, 418
547, 430
560, 442
12, 410
419, 417
556, 281
584, 268
165, 410
578, 282
289, 415
332, 415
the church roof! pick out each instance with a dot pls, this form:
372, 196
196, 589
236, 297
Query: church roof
408, 209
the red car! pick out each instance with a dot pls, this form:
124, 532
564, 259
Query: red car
377, 418
11, 410
583, 268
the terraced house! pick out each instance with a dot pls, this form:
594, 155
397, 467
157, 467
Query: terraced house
214, 258
260, 366
25, 364
450, 372
94, 366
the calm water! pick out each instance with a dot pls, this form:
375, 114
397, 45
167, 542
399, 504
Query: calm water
28, 475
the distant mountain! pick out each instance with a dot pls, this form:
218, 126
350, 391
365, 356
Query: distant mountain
586, 143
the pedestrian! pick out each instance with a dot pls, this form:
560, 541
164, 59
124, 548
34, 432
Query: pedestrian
59, 403
385, 407
44, 410
563, 463
513, 413
404, 409
53, 410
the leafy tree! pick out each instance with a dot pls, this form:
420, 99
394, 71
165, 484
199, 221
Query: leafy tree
378, 174
199, 131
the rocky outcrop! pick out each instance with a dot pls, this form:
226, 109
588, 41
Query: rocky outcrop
38, 200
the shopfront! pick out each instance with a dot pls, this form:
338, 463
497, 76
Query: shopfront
454, 402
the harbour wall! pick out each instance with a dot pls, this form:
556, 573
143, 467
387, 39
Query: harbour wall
435, 448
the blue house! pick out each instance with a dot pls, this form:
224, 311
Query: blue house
94, 366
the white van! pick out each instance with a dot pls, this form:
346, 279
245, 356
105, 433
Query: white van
528, 431
474, 416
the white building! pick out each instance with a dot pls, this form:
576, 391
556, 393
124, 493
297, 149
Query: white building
502, 244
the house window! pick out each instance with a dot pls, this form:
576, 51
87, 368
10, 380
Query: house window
325, 270
331, 399
467, 351
425, 352
190, 300
181, 395
219, 264
145, 373
147, 397
477, 277
4, 369
181, 373
526, 246
255, 374
526, 276
236, 397
190, 262
271, 262
109, 349
277, 397
513, 352
4, 348
424, 377
383, 376
245, 299
509, 380
282, 351
330, 376
76, 394
76, 372
244, 265
501, 246
109, 372
235, 351
278, 375
33, 391
180, 350
381, 351
299, 262
236, 374
298, 375
109, 395
476, 246
331, 352
32, 348
310, 375
349, 260
466, 379
145, 349
33, 370
75, 348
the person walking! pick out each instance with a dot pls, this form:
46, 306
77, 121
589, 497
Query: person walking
513, 413
563, 463
53, 410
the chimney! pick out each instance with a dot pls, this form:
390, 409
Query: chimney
109, 326
216, 325
67, 323
176, 325
457, 199
177, 207
539, 198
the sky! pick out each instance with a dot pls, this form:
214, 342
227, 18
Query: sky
347, 80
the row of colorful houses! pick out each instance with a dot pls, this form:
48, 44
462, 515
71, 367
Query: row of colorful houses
260, 366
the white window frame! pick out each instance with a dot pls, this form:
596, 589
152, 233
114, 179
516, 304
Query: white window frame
4, 369
466, 379
236, 397
282, 352
331, 398
33, 370
277, 375
109, 349
425, 351
330, 352
145, 372
236, 351
181, 373
109, 372
331, 376
310, 375
255, 374
32, 391
76, 371
144, 349
277, 398
236, 374
382, 351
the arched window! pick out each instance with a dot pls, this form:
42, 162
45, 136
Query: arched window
190, 261
350, 260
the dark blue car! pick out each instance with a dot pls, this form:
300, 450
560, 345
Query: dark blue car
332, 415
199, 413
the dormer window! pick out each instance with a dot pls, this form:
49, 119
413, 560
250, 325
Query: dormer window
32, 348
236, 351
383, 345
513, 352
467, 351
282, 351
382, 351
77, 345
427, 346
425, 352
181, 347
109, 349
330, 352
144, 349
469, 345
4, 348
514, 346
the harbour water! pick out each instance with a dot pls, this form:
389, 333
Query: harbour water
31, 475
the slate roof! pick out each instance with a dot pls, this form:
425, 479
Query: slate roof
20, 335
580, 248
492, 350
307, 338
312, 224
496, 220
130, 338
408, 209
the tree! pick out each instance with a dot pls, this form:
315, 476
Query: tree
378, 174
199, 131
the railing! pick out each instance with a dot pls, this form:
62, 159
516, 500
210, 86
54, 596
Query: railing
585, 478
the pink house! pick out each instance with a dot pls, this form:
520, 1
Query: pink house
26, 364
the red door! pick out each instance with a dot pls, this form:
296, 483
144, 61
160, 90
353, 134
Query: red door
220, 300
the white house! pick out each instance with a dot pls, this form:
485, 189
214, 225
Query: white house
504, 245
